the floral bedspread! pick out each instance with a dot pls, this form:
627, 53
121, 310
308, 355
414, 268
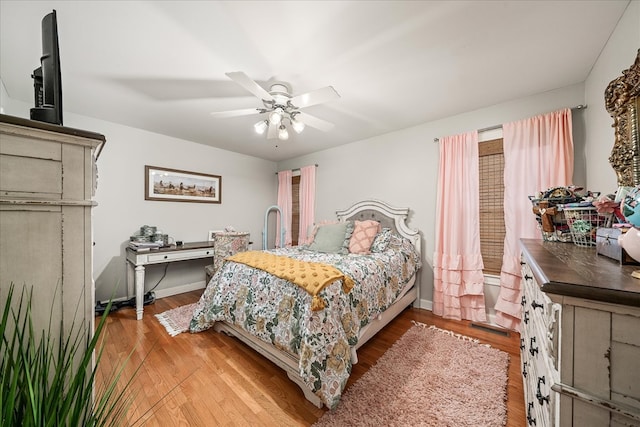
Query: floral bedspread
278, 312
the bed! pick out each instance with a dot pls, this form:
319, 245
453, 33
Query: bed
317, 345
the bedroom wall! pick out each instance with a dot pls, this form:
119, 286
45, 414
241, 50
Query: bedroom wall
618, 55
249, 186
4, 97
401, 168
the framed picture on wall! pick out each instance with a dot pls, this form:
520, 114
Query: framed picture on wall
173, 185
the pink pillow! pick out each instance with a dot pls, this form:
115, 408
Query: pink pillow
363, 235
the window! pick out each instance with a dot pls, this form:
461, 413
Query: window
295, 209
491, 204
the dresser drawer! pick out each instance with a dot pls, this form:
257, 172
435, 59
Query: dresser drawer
536, 392
539, 351
176, 256
541, 314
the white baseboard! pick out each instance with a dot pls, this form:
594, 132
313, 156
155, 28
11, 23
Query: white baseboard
425, 304
175, 290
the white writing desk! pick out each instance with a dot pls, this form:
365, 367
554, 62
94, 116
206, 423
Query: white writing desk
137, 259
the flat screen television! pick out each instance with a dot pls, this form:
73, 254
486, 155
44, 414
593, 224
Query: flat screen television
47, 81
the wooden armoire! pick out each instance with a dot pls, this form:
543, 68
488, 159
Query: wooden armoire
47, 188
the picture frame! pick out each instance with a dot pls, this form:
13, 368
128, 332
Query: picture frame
174, 185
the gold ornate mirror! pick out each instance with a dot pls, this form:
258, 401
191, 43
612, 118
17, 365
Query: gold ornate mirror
622, 101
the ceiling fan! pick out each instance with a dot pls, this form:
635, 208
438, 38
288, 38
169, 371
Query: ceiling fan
281, 106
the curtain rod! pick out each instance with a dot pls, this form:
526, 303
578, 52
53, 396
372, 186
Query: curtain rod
296, 169
577, 107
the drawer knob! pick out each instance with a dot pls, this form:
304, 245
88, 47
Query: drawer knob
533, 350
208, 252
527, 277
521, 343
526, 317
523, 302
535, 305
524, 369
166, 256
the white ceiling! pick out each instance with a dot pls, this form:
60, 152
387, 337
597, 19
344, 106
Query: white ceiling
160, 65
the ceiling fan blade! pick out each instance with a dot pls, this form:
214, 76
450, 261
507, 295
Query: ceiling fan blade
315, 97
272, 133
236, 113
176, 89
314, 122
246, 82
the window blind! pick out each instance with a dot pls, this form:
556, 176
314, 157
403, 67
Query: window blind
295, 209
491, 159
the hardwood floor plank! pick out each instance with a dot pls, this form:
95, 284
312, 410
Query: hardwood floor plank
210, 379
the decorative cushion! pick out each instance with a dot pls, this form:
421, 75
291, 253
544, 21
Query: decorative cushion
317, 225
333, 238
381, 242
363, 234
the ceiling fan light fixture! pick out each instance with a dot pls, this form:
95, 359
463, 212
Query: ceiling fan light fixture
283, 134
280, 106
261, 126
297, 125
276, 116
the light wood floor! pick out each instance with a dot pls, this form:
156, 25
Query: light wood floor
209, 379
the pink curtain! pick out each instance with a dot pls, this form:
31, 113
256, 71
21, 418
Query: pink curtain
284, 203
307, 201
538, 154
458, 279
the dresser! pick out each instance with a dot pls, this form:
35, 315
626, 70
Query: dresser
580, 337
47, 186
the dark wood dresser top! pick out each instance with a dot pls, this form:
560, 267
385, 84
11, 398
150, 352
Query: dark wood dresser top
571, 270
19, 121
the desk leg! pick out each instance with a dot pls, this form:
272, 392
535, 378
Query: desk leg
130, 280
139, 291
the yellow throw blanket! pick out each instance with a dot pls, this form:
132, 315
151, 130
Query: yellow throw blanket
310, 276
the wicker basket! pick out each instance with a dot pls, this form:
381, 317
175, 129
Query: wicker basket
584, 222
551, 212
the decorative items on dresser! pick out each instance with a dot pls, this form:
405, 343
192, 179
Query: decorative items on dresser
47, 184
580, 337
225, 243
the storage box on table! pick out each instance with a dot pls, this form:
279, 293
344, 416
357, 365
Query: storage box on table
607, 245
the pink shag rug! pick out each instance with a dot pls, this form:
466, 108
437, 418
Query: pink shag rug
176, 320
429, 377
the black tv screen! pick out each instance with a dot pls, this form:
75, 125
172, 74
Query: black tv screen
47, 80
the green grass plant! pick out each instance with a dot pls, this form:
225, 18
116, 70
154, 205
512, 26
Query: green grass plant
48, 379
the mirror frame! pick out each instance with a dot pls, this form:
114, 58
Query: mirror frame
622, 101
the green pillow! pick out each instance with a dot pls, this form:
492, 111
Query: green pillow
333, 238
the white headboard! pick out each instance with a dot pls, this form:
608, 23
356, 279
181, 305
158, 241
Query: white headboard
386, 215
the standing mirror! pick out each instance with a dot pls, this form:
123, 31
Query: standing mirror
623, 104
